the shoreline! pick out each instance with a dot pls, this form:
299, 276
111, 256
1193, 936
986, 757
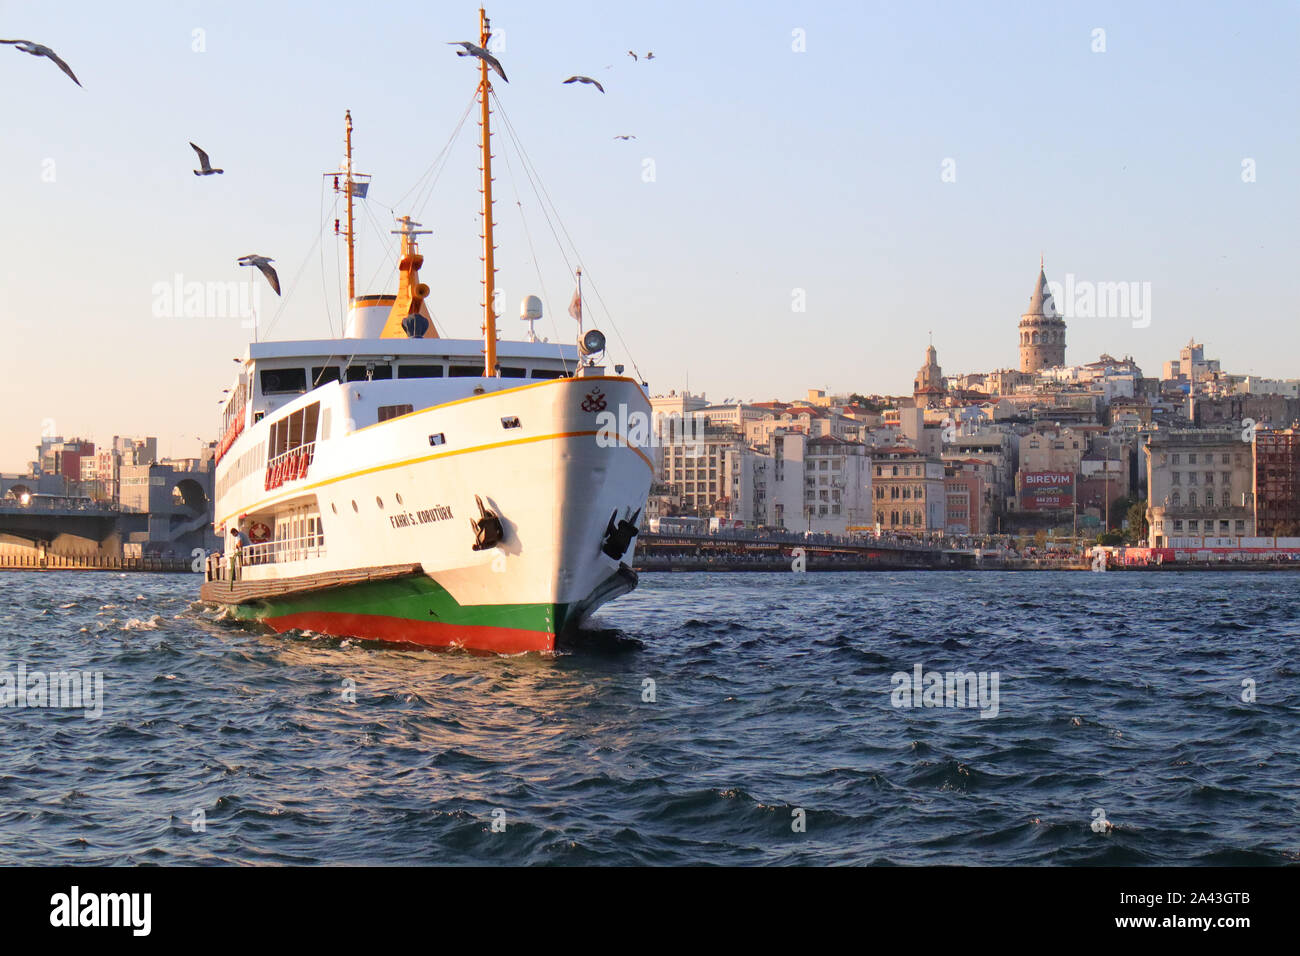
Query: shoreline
677, 567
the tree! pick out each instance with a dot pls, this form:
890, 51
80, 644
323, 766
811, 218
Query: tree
1137, 521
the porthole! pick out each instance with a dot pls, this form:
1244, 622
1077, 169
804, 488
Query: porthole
334, 507
354, 505
380, 502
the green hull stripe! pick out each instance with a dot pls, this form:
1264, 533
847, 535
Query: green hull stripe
417, 598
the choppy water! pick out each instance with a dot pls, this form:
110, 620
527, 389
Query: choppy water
772, 695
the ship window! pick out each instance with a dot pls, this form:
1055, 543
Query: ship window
320, 376
510, 421
398, 496
293, 431
393, 411
437, 439
419, 371
507, 372
547, 373
281, 380
380, 502
466, 371
354, 506
357, 372
334, 507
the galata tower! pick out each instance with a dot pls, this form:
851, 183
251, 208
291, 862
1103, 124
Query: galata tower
1042, 330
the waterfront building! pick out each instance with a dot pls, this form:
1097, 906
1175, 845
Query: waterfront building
660, 503
1277, 482
837, 485
1200, 483
691, 461
907, 489
62, 459
967, 497
996, 448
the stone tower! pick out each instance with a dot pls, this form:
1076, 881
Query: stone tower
1042, 329
927, 389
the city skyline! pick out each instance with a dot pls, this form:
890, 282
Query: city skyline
976, 146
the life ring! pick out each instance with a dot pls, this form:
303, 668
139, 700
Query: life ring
259, 532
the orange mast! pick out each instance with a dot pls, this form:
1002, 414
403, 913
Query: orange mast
489, 269
352, 268
353, 184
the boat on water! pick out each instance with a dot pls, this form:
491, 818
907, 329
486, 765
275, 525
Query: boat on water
399, 486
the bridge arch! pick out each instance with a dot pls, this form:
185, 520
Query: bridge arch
189, 493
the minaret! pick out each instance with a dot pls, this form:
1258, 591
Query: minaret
1042, 329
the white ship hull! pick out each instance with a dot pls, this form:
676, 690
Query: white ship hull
372, 530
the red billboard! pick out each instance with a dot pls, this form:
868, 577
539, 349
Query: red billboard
1046, 490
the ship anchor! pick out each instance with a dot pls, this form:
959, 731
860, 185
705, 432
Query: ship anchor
487, 529
618, 537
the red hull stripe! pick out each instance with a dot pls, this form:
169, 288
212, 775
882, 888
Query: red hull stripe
400, 630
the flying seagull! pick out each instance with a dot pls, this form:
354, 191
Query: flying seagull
475, 50
37, 49
585, 79
207, 169
264, 264
625, 136
650, 55
631, 54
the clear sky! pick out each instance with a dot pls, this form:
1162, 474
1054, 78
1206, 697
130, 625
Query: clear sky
775, 170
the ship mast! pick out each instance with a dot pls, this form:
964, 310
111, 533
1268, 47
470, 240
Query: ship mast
352, 184
352, 268
489, 269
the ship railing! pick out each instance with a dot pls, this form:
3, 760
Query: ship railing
290, 465
227, 567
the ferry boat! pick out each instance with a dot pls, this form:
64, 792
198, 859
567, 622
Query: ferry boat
398, 486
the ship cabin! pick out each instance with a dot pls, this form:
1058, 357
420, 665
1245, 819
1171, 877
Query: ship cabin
417, 373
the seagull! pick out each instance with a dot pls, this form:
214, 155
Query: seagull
585, 79
264, 264
631, 54
37, 49
625, 136
650, 55
474, 50
207, 169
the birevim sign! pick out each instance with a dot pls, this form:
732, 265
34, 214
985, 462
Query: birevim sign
1046, 490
